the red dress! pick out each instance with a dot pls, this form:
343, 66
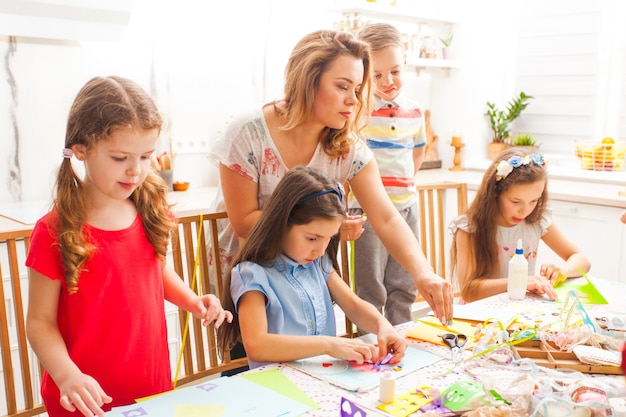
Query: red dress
114, 325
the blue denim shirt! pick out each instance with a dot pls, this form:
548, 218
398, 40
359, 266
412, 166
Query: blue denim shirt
298, 301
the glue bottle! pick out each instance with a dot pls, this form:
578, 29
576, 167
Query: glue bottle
518, 274
387, 387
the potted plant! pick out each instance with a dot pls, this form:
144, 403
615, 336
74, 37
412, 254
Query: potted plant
500, 121
526, 141
446, 42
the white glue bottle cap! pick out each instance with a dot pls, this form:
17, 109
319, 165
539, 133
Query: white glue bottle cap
387, 387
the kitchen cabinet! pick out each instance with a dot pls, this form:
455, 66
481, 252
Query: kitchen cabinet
421, 28
596, 230
598, 233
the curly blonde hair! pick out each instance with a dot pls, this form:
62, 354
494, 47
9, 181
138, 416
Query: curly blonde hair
309, 59
102, 105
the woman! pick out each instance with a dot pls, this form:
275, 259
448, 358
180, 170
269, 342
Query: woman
327, 90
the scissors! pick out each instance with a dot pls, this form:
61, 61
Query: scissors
456, 343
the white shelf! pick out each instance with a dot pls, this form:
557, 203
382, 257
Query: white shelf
401, 14
433, 16
432, 63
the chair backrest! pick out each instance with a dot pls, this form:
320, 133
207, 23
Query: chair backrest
20, 368
344, 258
202, 271
432, 200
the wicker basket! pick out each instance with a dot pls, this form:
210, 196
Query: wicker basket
598, 156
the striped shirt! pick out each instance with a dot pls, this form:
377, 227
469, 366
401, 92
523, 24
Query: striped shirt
394, 130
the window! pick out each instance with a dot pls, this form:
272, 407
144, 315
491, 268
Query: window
571, 57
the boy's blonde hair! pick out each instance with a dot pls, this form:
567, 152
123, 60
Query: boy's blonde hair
380, 36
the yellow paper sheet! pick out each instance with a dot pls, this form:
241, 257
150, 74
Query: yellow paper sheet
195, 410
428, 329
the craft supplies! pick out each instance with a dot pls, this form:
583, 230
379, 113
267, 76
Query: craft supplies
619, 406
585, 289
350, 409
462, 395
518, 274
593, 355
560, 279
358, 378
387, 388
456, 343
547, 355
429, 328
409, 402
594, 396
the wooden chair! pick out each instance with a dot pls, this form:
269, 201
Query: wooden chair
20, 368
344, 255
433, 228
434, 222
200, 358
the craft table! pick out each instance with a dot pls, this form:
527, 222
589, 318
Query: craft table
442, 373
438, 375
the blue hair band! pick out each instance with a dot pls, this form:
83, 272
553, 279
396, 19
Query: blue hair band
337, 190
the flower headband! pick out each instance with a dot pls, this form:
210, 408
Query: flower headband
504, 168
337, 190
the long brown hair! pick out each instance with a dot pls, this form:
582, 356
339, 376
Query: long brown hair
102, 105
309, 59
288, 206
484, 211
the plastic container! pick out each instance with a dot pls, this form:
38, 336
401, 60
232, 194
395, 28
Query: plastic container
518, 274
387, 387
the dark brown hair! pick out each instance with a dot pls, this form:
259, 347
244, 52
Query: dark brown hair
287, 206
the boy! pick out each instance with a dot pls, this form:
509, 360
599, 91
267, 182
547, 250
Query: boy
396, 135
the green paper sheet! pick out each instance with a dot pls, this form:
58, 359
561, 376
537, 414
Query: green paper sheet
277, 381
587, 292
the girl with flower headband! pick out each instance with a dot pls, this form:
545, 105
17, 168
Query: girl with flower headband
284, 282
510, 204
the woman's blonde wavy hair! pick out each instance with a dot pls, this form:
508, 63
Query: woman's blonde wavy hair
101, 106
309, 59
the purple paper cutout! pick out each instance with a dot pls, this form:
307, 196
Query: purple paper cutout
350, 409
207, 387
136, 412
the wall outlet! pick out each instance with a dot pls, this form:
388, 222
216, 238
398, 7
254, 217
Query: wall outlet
190, 145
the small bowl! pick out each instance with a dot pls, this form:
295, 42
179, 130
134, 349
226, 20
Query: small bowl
180, 186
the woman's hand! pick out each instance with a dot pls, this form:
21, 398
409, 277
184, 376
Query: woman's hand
391, 343
541, 286
83, 393
211, 310
351, 228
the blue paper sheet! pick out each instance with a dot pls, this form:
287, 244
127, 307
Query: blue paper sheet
353, 377
225, 397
